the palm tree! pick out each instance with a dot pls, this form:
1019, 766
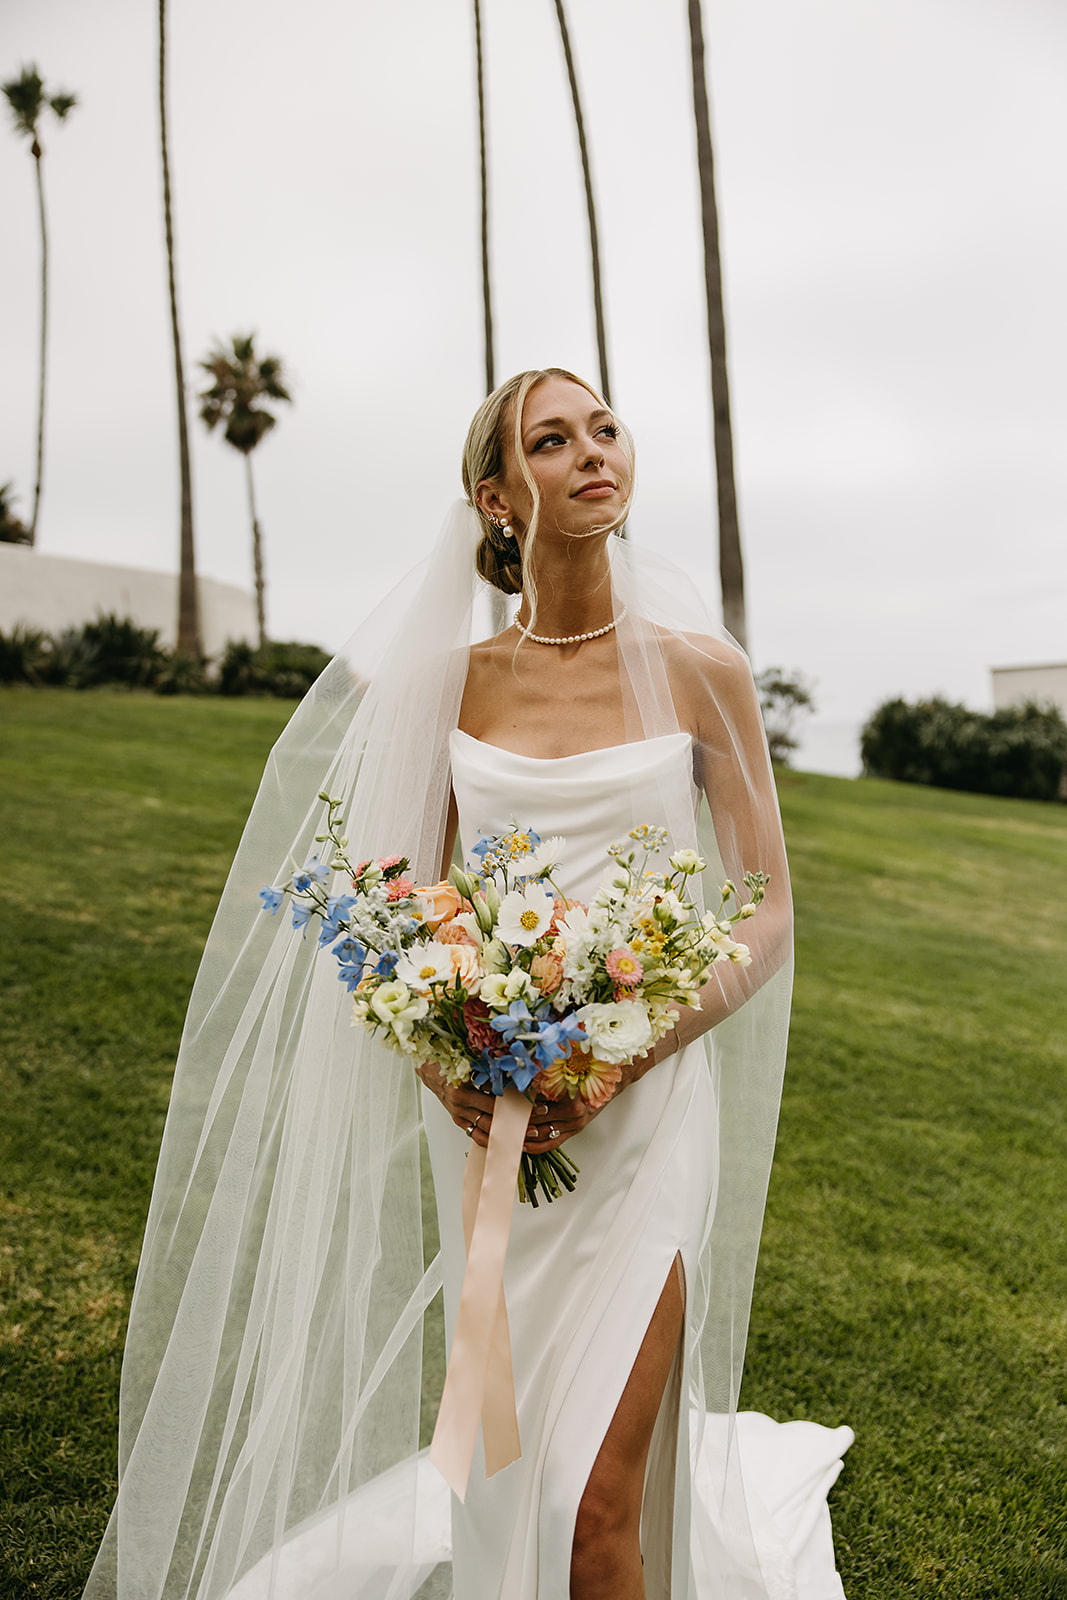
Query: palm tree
731, 567
12, 528
27, 101
188, 599
242, 382
590, 204
487, 297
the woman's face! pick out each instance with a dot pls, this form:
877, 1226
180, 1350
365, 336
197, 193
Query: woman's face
575, 457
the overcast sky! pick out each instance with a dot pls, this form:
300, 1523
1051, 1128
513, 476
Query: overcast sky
891, 191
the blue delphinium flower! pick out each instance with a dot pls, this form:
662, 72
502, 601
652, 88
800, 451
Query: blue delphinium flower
386, 964
271, 898
519, 1065
553, 1038
337, 907
351, 960
301, 913
311, 872
516, 1022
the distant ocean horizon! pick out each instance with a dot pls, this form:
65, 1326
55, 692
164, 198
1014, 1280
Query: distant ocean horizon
830, 747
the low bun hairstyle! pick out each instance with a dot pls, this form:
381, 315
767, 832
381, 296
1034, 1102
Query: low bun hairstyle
499, 556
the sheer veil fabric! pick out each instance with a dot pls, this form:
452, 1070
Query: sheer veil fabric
273, 1364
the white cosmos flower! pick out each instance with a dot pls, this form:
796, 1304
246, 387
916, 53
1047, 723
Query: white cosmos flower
525, 915
544, 859
424, 965
617, 1030
574, 924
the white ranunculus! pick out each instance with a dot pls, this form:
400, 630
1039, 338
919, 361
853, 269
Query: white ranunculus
499, 989
493, 990
617, 1030
687, 861
394, 1004
525, 914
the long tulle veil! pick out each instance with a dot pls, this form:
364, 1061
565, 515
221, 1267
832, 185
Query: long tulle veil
273, 1366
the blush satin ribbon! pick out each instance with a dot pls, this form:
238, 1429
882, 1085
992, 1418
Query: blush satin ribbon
480, 1383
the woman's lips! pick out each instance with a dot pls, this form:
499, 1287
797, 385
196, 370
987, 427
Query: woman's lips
594, 491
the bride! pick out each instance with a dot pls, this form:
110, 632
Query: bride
269, 1441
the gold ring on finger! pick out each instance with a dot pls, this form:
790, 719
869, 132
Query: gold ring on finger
553, 1132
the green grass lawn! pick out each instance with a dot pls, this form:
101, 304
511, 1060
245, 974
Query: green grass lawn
913, 1280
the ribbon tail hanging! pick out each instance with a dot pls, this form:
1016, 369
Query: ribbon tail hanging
479, 1384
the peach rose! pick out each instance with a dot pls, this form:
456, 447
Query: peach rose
443, 902
452, 932
465, 963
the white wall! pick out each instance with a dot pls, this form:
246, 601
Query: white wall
1013, 686
54, 592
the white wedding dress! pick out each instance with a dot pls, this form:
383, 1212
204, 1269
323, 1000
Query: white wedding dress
582, 1278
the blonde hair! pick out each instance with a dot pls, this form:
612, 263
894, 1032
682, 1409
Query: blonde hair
499, 559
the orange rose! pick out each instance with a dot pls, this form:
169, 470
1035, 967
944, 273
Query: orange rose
453, 932
443, 902
466, 965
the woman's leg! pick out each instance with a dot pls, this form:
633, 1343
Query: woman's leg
606, 1555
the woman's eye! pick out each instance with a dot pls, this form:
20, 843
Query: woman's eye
548, 438
611, 429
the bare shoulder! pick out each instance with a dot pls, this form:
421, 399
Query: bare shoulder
705, 673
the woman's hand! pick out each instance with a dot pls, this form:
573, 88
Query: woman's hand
471, 1109
555, 1121
552, 1122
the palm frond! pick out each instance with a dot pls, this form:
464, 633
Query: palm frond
25, 98
241, 384
63, 103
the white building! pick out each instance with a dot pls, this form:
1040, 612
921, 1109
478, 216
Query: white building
56, 592
1014, 686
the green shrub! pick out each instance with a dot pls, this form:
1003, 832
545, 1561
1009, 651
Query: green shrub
124, 652
286, 671
70, 661
23, 655
182, 673
1020, 751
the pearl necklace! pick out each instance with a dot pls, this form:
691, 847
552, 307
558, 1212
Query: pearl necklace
572, 638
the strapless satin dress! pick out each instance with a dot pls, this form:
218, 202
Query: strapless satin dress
584, 1274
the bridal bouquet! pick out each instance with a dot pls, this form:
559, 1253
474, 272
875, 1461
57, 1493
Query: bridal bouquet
499, 978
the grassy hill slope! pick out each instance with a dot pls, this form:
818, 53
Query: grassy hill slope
913, 1280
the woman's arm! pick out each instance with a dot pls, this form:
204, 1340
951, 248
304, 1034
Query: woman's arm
716, 698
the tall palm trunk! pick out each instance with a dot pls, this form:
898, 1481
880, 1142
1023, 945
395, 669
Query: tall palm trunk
498, 610
590, 204
731, 568
487, 296
36, 152
257, 556
188, 600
